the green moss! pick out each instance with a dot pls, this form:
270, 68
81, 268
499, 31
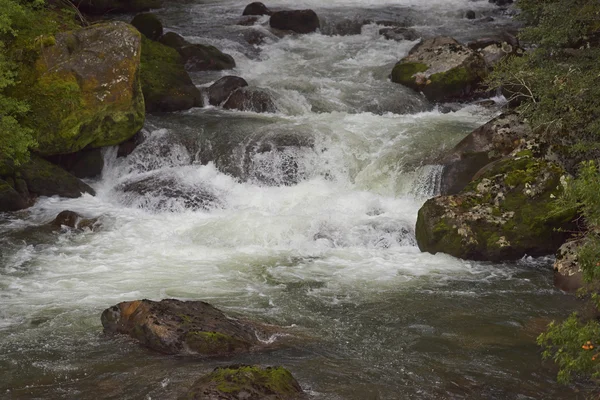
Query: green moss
276, 380
213, 343
403, 73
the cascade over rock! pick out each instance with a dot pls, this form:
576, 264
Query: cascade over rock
165, 82
503, 215
250, 99
251, 382
172, 326
84, 89
198, 57
299, 21
442, 69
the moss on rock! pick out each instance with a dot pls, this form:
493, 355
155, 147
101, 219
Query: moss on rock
505, 214
250, 381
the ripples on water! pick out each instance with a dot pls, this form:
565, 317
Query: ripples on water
331, 255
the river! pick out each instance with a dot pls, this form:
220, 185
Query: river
332, 258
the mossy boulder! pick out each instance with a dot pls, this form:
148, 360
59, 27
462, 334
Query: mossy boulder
100, 7
442, 69
183, 327
83, 88
165, 82
198, 57
46, 179
250, 99
248, 382
503, 215
220, 91
10, 199
149, 25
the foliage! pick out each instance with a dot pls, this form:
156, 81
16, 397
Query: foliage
572, 345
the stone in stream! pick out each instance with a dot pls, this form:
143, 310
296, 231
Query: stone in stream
172, 326
299, 21
247, 382
84, 89
165, 82
504, 214
220, 91
256, 8
442, 69
198, 57
149, 25
486, 144
73, 220
250, 99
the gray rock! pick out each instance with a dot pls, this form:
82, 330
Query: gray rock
220, 91
299, 21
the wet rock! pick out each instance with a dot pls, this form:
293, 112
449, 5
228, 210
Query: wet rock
95, 71
470, 14
486, 144
198, 57
73, 220
504, 214
166, 193
82, 164
101, 7
399, 34
567, 272
165, 82
442, 69
10, 199
250, 99
220, 91
173, 40
149, 25
299, 21
250, 382
182, 327
256, 8
46, 179
126, 148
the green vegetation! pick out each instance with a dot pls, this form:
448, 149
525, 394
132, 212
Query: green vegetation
557, 89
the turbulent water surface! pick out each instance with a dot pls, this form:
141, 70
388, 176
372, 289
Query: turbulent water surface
302, 218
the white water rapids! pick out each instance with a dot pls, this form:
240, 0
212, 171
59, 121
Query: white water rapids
332, 257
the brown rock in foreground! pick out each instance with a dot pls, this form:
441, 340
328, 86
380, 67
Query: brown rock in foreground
183, 327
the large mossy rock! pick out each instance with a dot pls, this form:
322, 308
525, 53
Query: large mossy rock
248, 382
441, 68
486, 144
84, 89
299, 21
100, 7
46, 179
182, 327
505, 214
165, 82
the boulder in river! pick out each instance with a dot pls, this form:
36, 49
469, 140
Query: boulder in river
220, 91
198, 57
299, 21
399, 33
484, 145
84, 89
149, 25
442, 69
172, 326
250, 99
236, 382
73, 220
256, 8
10, 199
165, 82
503, 215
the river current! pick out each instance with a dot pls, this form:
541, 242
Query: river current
329, 255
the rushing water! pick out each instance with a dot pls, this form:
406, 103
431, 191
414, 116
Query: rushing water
313, 233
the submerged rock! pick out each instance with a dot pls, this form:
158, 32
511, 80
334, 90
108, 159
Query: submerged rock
165, 82
71, 219
299, 21
220, 91
256, 8
567, 272
182, 327
250, 99
149, 25
442, 69
486, 144
503, 215
248, 382
84, 89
